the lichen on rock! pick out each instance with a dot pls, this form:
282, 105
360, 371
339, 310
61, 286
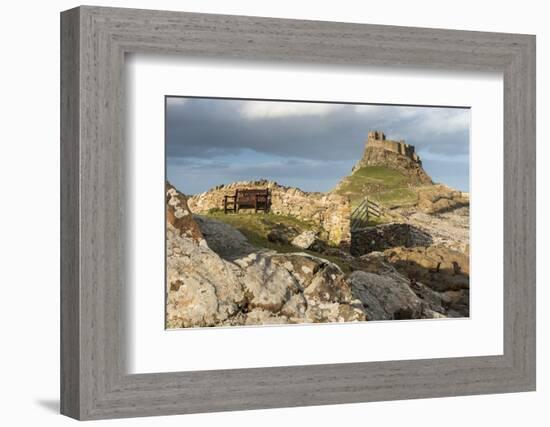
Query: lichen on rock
258, 287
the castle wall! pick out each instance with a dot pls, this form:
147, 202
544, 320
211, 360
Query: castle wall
378, 140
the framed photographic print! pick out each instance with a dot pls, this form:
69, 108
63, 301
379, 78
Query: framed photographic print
281, 213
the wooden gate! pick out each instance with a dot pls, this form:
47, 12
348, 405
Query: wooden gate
360, 215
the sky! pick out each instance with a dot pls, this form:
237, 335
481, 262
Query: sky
301, 144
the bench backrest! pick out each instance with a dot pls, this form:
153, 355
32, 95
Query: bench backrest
250, 195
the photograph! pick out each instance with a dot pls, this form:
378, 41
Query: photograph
290, 212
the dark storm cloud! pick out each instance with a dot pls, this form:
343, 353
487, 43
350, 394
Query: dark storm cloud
314, 144
206, 127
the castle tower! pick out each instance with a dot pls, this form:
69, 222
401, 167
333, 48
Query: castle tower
377, 139
376, 135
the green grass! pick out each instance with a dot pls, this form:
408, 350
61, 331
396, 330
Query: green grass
383, 185
256, 227
395, 197
261, 223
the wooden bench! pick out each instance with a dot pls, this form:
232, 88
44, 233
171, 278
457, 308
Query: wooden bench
259, 200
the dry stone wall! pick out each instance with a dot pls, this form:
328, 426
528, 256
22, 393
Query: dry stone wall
330, 211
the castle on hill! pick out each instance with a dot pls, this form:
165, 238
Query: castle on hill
377, 139
396, 155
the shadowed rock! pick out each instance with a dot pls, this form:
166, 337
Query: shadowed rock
387, 236
226, 241
385, 297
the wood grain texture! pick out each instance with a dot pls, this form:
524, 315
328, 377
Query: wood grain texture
70, 314
94, 238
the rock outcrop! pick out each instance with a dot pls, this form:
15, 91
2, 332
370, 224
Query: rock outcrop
202, 288
438, 267
385, 297
223, 239
436, 199
330, 211
395, 155
450, 229
250, 287
305, 240
390, 290
179, 216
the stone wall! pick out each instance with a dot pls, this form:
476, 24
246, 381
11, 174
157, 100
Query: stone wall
330, 211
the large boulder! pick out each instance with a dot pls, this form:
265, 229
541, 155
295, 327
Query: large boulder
267, 285
305, 240
179, 216
226, 241
302, 266
329, 285
203, 289
439, 198
386, 297
441, 268
326, 296
450, 229
280, 233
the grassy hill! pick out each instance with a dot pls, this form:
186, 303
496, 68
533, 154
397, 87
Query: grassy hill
382, 184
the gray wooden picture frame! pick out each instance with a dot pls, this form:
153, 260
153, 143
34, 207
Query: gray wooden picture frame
94, 41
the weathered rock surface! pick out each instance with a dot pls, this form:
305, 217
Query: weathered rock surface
223, 239
392, 297
281, 233
450, 229
179, 215
301, 265
267, 286
305, 240
381, 237
384, 297
438, 267
260, 287
203, 289
440, 198
441, 270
